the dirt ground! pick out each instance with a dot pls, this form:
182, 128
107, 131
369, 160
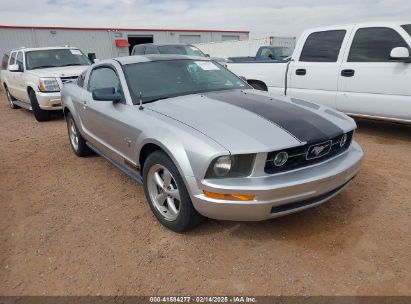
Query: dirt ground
78, 226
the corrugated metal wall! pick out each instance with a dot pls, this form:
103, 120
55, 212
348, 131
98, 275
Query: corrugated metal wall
100, 42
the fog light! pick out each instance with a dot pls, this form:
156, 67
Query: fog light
222, 166
230, 197
281, 158
343, 140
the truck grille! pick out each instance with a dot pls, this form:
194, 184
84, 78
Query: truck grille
304, 156
68, 79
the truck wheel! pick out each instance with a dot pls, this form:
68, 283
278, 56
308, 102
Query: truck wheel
11, 99
167, 195
39, 114
258, 86
77, 142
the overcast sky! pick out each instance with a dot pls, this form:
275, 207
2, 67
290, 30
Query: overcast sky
261, 17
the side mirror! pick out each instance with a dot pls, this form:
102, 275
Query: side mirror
107, 94
207, 55
400, 53
14, 68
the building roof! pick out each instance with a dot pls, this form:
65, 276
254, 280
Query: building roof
117, 29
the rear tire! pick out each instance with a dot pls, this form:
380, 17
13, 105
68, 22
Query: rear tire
167, 194
40, 114
10, 99
77, 142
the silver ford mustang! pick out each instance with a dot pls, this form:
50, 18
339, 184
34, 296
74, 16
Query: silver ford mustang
204, 143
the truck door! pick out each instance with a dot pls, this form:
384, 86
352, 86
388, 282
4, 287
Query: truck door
314, 75
20, 89
371, 83
11, 76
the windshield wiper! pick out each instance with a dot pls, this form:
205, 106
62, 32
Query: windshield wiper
155, 99
43, 67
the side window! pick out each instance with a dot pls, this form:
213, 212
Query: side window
19, 60
103, 77
81, 78
13, 58
265, 53
323, 46
139, 50
5, 61
151, 50
374, 44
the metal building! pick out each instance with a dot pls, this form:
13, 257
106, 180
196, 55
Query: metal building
105, 42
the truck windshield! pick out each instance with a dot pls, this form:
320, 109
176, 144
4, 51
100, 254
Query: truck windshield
181, 50
407, 27
170, 78
55, 58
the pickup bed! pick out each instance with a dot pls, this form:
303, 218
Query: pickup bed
361, 69
267, 53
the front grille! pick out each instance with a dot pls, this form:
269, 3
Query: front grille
307, 202
297, 157
68, 79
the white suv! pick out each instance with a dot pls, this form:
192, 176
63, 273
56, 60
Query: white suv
33, 77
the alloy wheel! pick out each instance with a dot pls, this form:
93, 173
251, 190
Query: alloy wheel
163, 191
73, 134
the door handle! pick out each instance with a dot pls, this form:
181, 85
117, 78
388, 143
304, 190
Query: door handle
347, 73
84, 104
300, 72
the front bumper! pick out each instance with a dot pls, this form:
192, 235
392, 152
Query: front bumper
49, 101
279, 194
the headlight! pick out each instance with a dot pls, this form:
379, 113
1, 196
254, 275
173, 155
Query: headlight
49, 85
231, 166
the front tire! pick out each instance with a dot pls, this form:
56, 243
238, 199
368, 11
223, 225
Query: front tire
77, 142
40, 114
11, 99
167, 194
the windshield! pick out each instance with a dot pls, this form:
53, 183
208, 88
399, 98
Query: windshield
181, 50
170, 78
276, 53
407, 27
55, 58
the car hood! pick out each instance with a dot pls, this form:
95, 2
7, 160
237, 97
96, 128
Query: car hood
60, 71
249, 121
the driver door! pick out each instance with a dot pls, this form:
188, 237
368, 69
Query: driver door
103, 120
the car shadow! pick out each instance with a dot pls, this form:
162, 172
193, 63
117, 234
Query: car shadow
390, 130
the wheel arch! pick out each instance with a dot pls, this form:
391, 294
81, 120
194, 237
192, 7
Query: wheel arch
259, 82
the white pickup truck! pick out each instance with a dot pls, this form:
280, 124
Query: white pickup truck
361, 69
33, 77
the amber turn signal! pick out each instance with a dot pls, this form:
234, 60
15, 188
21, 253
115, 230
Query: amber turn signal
231, 197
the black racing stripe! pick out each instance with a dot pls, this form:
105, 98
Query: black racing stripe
303, 124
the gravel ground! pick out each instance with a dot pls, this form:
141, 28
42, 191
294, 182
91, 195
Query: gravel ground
78, 226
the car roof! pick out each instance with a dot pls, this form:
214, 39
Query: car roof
165, 44
154, 57
43, 48
361, 24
